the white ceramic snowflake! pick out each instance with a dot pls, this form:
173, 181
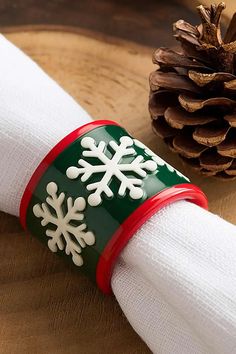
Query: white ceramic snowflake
158, 159
111, 166
64, 235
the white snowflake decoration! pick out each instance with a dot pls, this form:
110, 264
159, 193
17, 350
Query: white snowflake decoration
66, 235
158, 159
112, 167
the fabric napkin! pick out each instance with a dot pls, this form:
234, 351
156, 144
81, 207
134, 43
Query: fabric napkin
176, 279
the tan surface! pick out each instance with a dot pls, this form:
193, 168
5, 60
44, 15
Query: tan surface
230, 6
45, 307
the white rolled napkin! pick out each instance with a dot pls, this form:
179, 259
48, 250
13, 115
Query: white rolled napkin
176, 278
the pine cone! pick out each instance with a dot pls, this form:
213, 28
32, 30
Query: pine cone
193, 94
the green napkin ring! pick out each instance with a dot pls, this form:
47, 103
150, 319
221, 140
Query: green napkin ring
93, 190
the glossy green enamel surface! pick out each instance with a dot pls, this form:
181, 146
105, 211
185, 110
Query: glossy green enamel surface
104, 219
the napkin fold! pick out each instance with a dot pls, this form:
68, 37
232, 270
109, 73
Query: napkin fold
35, 113
176, 278
176, 281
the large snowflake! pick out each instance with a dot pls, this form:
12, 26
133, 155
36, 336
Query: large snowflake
69, 230
129, 175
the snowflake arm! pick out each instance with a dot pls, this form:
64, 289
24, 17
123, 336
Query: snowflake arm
64, 235
125, 142
99, 188
158, 159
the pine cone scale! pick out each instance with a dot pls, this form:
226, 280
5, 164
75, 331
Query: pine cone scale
228, 147
202, 79
231, 171
192, 104
159, 101
178, 118
211, 135
231, 85
187, 147
170, 58
231, 119
171, 81
162, 129
219, 163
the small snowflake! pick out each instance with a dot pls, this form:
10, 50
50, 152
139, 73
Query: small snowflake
66, 235
112, 167
158, 159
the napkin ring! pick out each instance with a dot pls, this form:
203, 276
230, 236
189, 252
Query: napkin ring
93, 190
